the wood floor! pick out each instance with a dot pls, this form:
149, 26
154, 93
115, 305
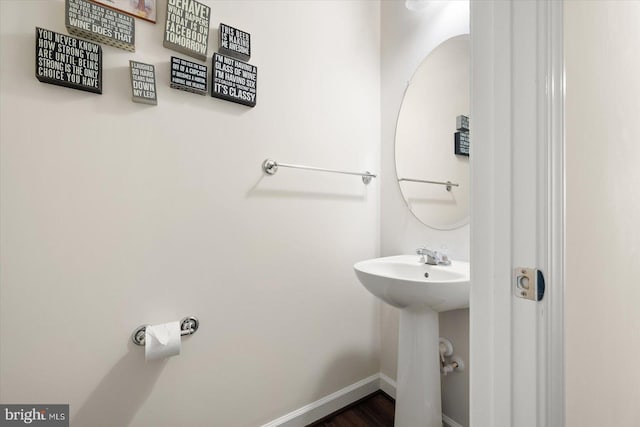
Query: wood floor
375, 410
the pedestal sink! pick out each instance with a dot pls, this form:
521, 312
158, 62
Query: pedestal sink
420, 291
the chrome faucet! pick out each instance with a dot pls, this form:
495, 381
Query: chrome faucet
428, 256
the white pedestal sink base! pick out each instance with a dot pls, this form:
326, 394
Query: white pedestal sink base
418, 398
420, 291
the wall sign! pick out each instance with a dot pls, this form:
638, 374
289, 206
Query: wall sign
144, 9
187, 28
234, 42
143, 83
67, 61
461, 138
234, 80
462, 123
97, 23
189, 76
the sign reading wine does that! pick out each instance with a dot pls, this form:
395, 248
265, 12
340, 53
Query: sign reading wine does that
234, 80
67, 61
188, 76
143, 83
100, 24
234, 42
187, 28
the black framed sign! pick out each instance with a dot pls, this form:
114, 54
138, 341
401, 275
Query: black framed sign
461, 143
100, 24
461, 138
188, 76
67, 61
187, 28
234, 42
143, 83
234, 80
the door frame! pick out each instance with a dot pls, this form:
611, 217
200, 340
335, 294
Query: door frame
505, 369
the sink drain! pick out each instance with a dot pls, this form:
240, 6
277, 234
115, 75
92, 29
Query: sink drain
426, 275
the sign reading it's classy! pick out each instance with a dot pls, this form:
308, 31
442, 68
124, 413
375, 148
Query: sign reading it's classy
187, 28
100, 24
67, 61
234, 80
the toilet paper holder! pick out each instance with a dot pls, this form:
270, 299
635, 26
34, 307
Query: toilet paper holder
188, 326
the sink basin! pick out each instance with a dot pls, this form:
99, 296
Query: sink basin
402, 282
420, 291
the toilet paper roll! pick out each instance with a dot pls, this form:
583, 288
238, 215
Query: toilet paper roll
161, 341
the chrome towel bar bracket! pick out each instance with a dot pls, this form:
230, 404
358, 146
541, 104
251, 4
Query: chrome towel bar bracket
188, 326
270, 167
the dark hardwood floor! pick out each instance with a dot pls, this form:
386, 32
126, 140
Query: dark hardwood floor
375, 410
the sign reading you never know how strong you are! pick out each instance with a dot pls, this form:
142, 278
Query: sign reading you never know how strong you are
234, 80
187, 28
98, 23
143, 83
67, 61
188, 76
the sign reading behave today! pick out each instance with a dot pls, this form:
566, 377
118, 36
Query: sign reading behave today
187, 28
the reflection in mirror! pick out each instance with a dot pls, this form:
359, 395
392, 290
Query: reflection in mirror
432, 137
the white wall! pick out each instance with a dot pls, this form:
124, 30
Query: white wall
603, 213
116, 214
407, 38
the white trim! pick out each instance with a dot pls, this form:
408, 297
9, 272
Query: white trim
328, 404
341, 398
490, 336
554, 328
508, 38
388, 385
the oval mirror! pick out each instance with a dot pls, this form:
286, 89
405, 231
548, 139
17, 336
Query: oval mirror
432, 137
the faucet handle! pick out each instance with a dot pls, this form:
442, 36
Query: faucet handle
443, 258
422, 251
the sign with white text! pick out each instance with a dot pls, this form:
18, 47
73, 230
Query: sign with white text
234, 42
187, 28
143, 83
188, 76
234, 80
100, 24
461, 138
143, 9
67, 61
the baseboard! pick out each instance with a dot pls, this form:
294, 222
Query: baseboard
341, 398
387, 385
329, 404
